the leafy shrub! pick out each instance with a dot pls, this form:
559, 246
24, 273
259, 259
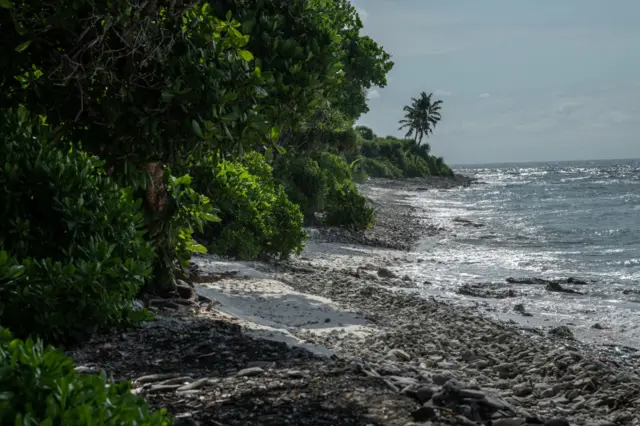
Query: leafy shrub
256, 165
75, 235
381, 167
257, 217
305, 184
324, 184
40, 387
186, 213
396, 158
349, 209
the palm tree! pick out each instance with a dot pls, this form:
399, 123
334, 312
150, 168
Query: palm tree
421, 117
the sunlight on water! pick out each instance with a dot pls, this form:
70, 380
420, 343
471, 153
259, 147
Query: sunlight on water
545, 220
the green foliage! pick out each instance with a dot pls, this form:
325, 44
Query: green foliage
134, 82
421, 117
381, 167
75, 235
305, 184
316, 54
257, 218
40, 387
395, 158
365, 132
349, 209
187, 212
323, 184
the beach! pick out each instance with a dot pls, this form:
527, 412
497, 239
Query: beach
344, 335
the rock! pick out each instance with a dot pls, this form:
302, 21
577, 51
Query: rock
557, 422
185, 290
154, 378
200, 383
538, 281
467, 222
399, 354
250, 372
182, 380
598, 326
425, 393
406, 278
479, 290
261, 364
423, 414
403, 381
548, 393
562, 331
184, 419
516, 421
296, 374
522, 390
511, 280
162, 388
442, 378
557, 288
386, 273
521, 310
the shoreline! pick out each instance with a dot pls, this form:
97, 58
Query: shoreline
392, 357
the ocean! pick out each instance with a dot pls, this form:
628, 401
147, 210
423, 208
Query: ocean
546, 220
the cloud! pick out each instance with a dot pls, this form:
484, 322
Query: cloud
440, 92
373, 94
484, 95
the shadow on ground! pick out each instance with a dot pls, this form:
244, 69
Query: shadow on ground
287, 385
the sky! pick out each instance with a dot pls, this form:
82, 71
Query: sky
520, 80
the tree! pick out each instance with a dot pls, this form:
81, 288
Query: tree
143, 85
366, 132
421, 117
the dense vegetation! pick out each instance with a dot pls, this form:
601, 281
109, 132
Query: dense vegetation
135, 133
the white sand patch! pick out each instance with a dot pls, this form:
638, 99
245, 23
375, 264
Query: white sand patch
270, 309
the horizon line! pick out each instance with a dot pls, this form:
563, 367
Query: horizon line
543, 161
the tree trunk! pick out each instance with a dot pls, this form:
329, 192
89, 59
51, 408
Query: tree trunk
156, 205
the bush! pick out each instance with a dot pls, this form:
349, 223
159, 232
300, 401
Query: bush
324, 184
257, 218
40, 387
74, 235
305, 184
349, 209
382, 168
395, 158
186, 213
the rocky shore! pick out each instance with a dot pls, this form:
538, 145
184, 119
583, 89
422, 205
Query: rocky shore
340, 336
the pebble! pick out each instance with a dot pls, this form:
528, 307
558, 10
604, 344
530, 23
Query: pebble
250, 372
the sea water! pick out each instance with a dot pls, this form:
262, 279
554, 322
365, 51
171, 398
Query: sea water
547, 220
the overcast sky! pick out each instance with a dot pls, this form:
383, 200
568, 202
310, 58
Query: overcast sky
521, 80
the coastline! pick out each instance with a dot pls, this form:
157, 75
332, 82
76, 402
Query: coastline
336, 337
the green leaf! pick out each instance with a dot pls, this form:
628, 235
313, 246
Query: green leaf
194, 247
166, 97
274, 133
197, 129
232, 116
211, 217
22, 46
6, 4
246, 55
